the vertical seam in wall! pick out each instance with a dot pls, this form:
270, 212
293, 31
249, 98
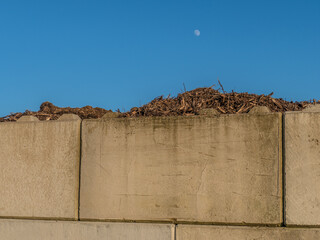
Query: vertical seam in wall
80, 156
283, 173
173, 232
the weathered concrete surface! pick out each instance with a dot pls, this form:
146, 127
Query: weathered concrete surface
259, 110
312, 108
302, 167
204, 169
28, 119
69, 116
189, 232
39, 169
68, 230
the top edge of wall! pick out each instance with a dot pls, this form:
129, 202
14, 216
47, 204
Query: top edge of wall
309, 109
182, 117
300, 112
34, 119
107, 118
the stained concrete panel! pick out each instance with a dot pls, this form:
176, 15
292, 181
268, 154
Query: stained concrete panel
189, 232
203, 169
68, 230
39, 169
302, 167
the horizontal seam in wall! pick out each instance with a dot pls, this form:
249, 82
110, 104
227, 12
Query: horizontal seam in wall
39, 218
183, 222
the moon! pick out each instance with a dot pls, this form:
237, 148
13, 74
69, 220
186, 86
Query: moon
197, 32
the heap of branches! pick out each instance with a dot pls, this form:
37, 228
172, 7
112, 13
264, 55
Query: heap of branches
191, 102
48, 111
186, 103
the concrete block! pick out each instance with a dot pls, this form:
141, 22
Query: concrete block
110, 115
28, 119
39, 169
259, 110
192, 232
69, 230
312, 108
68, 117
302, 168
195, 169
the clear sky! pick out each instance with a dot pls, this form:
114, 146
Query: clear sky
120, 54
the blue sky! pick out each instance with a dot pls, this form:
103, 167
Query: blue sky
120, 54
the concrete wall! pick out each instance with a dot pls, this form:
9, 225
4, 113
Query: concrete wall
198, 169
302, 151
189, 232
222, 170
39, 169
71, 230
